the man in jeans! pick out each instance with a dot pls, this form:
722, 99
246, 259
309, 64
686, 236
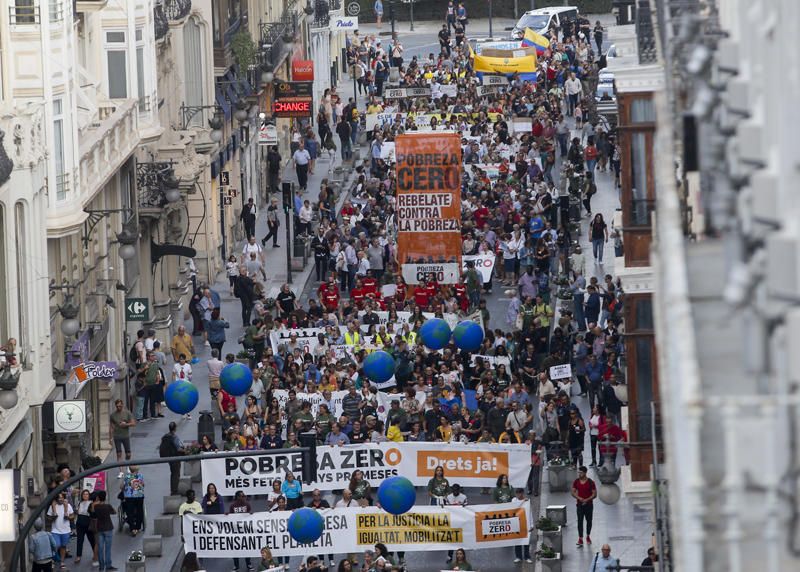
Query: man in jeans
42, 546
152, 376
584, 491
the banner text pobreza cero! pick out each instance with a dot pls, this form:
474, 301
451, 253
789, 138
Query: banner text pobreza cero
473, 465
424, 528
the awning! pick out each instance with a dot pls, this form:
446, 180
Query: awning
15, 441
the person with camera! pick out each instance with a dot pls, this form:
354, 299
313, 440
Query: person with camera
62, 514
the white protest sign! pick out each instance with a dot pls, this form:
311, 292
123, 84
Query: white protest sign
424, 528
492, 360
443, 273
484, 263
562, 371
251, 474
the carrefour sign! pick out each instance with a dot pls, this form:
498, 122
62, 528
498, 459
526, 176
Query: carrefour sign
347, 23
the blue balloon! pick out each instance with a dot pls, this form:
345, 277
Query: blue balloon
236, 378
305, 525
468, 336
397, 495
379, 366
181, 397
435, 333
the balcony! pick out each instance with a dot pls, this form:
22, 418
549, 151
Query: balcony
90, 5
177, 10
106, 145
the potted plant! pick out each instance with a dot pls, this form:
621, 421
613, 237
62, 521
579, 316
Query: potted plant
549, 559
561, 473
551, 534
243, 356
136, 561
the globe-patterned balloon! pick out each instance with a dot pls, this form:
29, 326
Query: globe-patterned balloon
397, 495
435, 333
468, 336
181, 397
379, 366
305, 525
236, 378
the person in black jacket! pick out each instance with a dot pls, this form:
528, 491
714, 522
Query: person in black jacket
344, 131
321, 253
248, 217
273, 169
244, 289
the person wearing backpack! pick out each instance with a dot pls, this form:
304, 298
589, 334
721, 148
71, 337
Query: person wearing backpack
172, 446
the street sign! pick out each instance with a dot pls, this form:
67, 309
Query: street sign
232, 193
268, 134
353, 8
347, 23
137, 309
224, 178
285, 89
227, 201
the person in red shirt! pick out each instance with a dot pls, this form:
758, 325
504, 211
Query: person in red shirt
460, 290
357, 295
421, 296
432, 288
584, 491
329, 294
370, 285
400, 293
481, 215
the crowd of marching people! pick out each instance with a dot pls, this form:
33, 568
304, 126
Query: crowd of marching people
526, 199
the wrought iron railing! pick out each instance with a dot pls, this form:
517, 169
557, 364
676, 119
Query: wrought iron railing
645, 33
160, 22
276, 35
150, 179
177, 9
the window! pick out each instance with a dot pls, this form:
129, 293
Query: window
117, 62
640, 208
22, 281
193, 66
644, 386
140, 83
642, 111
58, 149
56, 10
24, 12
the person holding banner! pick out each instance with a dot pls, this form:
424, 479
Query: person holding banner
292, 489
438, 487
360, 488
240, 506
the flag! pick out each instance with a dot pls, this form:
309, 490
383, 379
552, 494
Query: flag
538, 41
523, 65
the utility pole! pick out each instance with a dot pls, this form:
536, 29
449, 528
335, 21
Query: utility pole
391, 14
491, 35
411, 7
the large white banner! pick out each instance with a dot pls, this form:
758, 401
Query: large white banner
471, 465
484, 263
424, 528
443, 272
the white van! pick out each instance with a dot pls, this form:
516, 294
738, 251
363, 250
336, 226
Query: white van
539, 20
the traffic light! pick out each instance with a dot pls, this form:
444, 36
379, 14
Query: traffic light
286, 190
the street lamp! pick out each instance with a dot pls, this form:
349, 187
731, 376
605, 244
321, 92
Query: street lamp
69, 316
309, 10
9, 379
242, 111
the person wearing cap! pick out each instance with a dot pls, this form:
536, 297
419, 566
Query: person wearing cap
41, 546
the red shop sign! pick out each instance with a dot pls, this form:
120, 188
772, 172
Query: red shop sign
303, 70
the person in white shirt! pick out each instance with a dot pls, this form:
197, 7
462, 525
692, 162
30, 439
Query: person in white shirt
215, 366
363, 265
251, 247
455, 498
62, 512
346, 501
306, 215
574, 91
301, 160
182, 371
150, 340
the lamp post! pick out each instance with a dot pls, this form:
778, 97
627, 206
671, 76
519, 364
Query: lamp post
9, 379
491, 35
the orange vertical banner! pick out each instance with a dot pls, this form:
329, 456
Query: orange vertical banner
428, 167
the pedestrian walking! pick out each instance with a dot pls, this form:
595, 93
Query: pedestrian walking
41, 546
120, 422
172, 446
102, 512
248, 218
584, 492
302, 159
